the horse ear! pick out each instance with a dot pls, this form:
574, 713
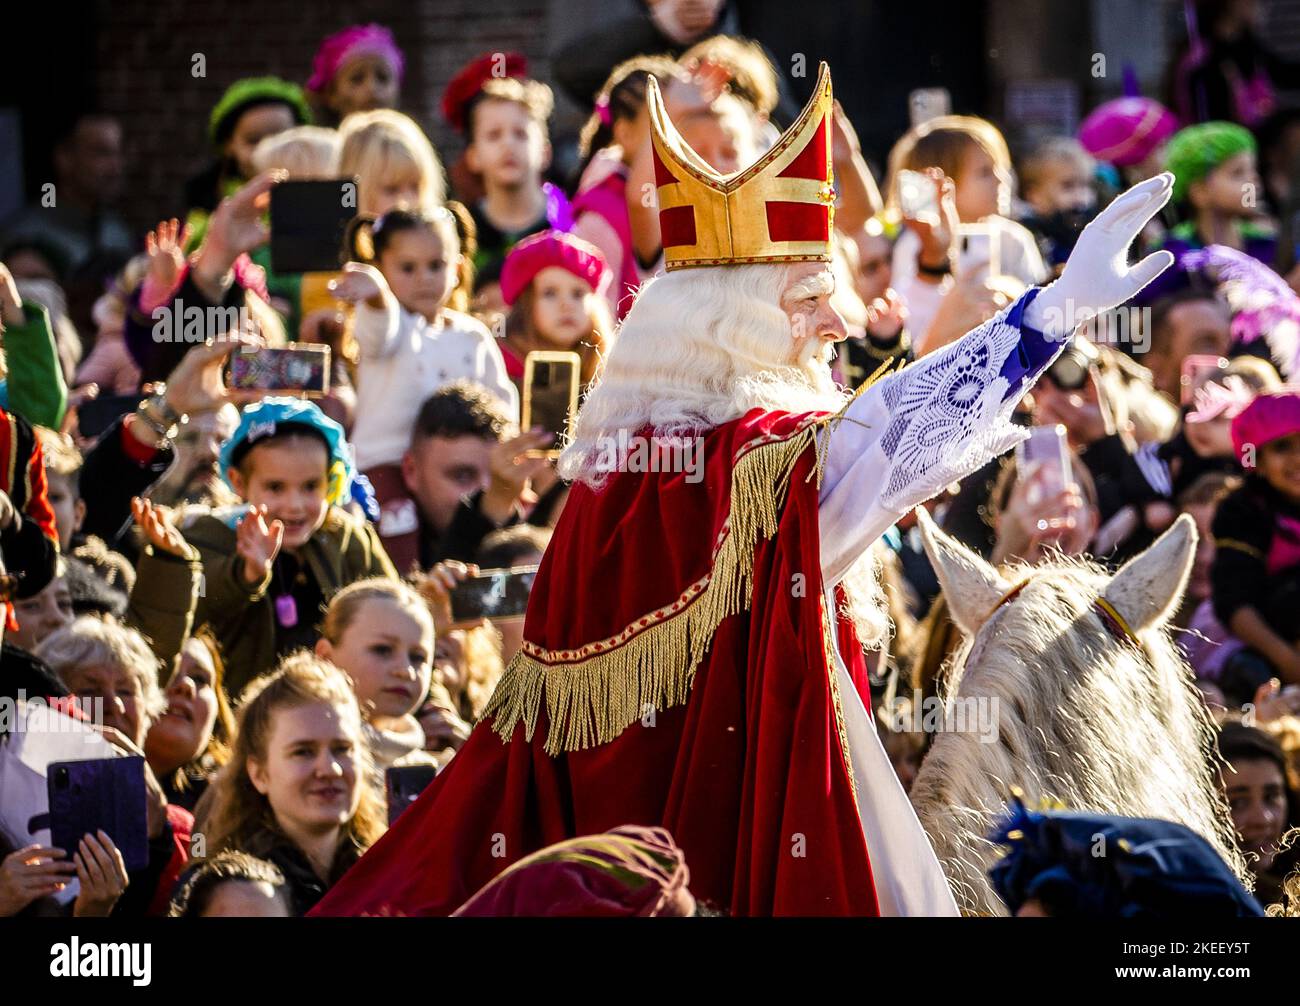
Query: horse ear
970, 585
1148, 587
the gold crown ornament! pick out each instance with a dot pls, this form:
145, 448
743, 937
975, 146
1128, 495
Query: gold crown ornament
779, 209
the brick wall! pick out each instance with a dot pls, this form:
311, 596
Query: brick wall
144, 53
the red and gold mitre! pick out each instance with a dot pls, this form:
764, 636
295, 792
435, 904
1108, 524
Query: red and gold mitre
779, 209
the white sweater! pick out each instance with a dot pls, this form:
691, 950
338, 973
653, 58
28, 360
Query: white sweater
404, 360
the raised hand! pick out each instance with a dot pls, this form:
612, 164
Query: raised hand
235, 227
510, 469
257, 543
436, 586
360, 282
165, 246
157, 524
1097, 276
937, 231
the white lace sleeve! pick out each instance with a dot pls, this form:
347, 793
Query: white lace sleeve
910, 435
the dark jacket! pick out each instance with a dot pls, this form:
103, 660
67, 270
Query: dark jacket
242, 617
302, 884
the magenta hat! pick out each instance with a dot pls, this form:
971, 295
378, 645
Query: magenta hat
1271, 415
533, 254
1126, 130
357, 40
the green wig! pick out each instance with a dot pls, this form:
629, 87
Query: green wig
248, 92
1195, 151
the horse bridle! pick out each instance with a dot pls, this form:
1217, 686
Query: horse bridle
1114, 622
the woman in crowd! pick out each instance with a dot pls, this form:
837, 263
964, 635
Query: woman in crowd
296, 791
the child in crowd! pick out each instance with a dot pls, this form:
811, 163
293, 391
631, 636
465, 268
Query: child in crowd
1056, 182
614, 136
973, 154
1216, 185
296, 791
393, 161
44, 613
555, 286
307, 153
1256, 572
270, 566
357, 69
507, 147
232, 885
410, 342
62, 475
250, 110
380, 633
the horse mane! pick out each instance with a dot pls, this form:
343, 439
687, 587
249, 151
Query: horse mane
1085, 720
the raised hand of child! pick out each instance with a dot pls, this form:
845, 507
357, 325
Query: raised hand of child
165, 246
360, 282
257, 543
157, 523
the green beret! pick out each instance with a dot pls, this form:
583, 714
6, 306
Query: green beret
244, 94
1195, 151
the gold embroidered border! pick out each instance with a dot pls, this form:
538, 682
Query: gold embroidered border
832, 675
596, 695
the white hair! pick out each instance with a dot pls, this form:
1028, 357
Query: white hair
700, 347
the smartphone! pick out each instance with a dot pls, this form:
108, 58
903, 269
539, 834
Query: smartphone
1197, 370
551, 396
494, 593
917, 194
309, 221
979, 250
100, 793
299, 367
926, 103
1047, 448
95, 415
404, 785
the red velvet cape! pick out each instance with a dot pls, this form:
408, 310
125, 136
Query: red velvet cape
744, 761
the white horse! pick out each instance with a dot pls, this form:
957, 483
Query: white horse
1094, 707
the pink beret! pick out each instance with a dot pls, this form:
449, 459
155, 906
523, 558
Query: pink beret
534, 253
1270, 416
1125, 131
358, 40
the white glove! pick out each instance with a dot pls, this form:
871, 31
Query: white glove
1097, 276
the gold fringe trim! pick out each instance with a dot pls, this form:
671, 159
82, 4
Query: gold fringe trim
837, 702
593, 701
